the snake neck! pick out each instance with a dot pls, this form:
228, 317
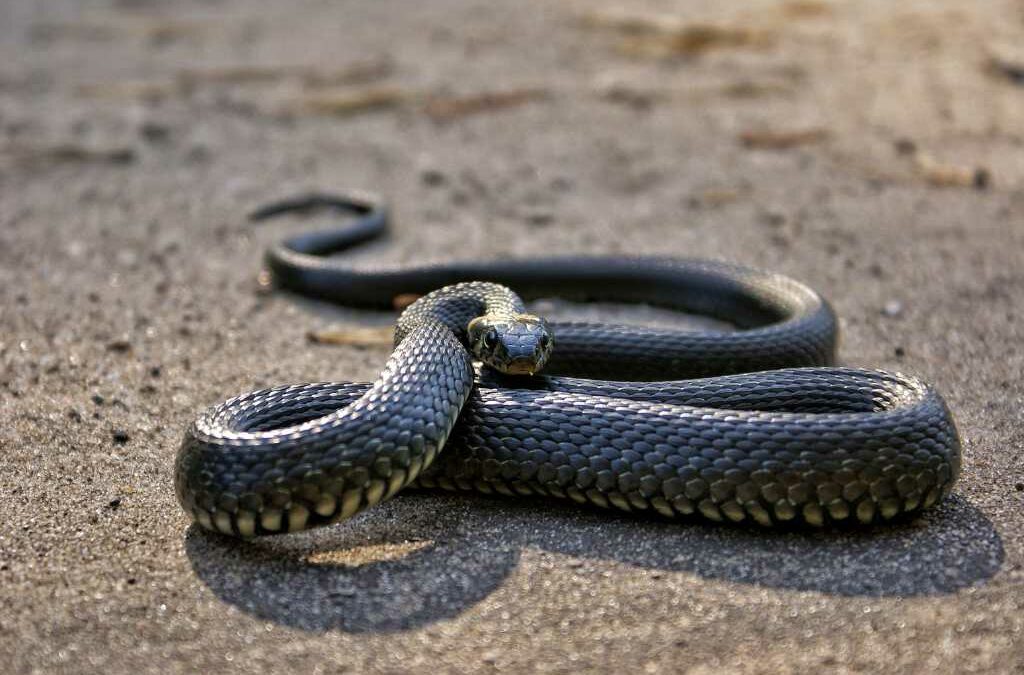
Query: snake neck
456, 306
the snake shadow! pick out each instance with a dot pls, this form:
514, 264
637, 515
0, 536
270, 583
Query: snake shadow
425, 557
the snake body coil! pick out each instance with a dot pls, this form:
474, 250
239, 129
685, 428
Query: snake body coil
795, 443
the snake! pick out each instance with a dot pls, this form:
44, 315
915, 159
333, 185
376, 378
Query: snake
754, 425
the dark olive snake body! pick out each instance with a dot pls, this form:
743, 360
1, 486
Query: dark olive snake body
794, 442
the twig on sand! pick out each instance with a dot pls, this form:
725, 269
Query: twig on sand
781, 139
70, 153
359, 336
448, 108
661, 36
350, 101
950, 175
360, 72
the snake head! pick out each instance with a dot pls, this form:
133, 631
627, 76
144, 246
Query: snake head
519, 344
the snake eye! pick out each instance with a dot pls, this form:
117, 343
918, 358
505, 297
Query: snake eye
490, 338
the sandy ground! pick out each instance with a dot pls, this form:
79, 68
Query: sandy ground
872, 149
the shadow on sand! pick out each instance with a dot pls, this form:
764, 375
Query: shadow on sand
424, 557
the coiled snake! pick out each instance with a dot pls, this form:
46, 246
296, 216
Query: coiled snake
794, 442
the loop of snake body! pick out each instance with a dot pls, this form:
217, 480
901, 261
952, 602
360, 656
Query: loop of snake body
749, 426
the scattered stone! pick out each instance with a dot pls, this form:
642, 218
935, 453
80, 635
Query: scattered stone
153, 132
49, 363
121, 346
905, 146
539, 218
562, 184
155, 371
97, 399
617, 89
1007, 64
892, 308
114, 503
716, 197
1019, 487
433, 177
198, 154
899, 352
120, 436
773, 218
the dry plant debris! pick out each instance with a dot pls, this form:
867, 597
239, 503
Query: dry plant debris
350, 101
781, 139
400, 302
132, 90
105, 28
355, 73
69, 152
806, 9
694, 40
941, 174
756, 89
448, 108
660, 36
358, 336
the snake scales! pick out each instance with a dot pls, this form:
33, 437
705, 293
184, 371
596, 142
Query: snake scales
679, 423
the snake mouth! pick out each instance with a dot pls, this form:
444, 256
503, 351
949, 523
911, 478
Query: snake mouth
521, 367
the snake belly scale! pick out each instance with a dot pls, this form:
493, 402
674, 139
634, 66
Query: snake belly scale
753, 425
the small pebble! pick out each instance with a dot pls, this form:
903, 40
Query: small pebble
982, 178
114, 503
893, 308
1019, 487
899, 352
433, 177
198, 154
97, 399
773, 218
120, 346
539, 218
120, 436
154, 132
904, 146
